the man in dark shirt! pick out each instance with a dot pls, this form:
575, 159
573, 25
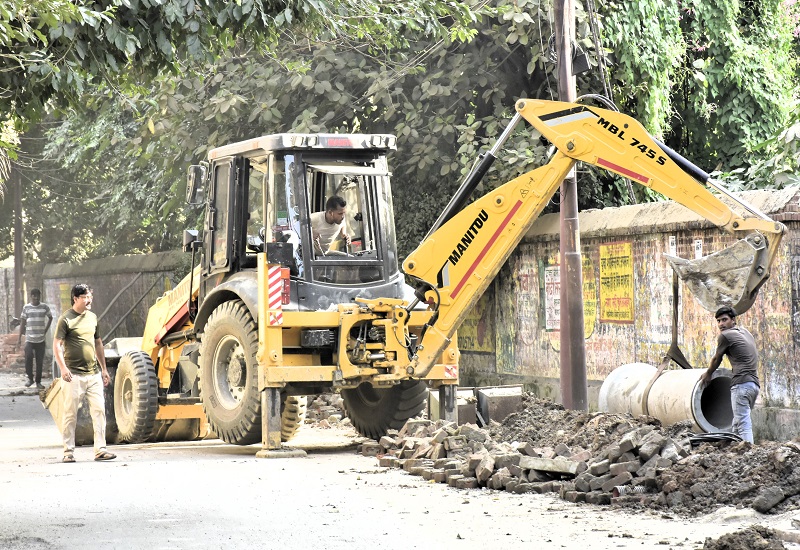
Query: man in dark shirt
738, 344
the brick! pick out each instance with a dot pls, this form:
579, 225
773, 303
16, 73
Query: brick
598, 482
621, 479
455, 442
582, 482
450, 472
506, 460
649, 465
627, 456
574, 496
414, 427
581, 456
600, 468
467, 483
545, 452
515, 470
614, 452
472, 433
561, 465
567, 486
536, 476
521, 488
388, 462
416, 470
440, 435
511, 485
527, 450
412, 463
485, 469
387, 442
427, 473
651, 444
629, 441
499, 480
562, 450
537, 488
439, 476
437, 452
672, 451
621, 467
371, 449
422, 450
452, 480
596, 497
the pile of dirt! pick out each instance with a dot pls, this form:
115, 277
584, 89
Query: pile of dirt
752, 538
765, 477
544, 423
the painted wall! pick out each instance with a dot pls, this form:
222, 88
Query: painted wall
124, 287
627, 288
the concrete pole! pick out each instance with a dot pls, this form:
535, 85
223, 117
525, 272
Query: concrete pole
19, 253
574, 391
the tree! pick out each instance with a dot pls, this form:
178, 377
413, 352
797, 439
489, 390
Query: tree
56, 54
446, 101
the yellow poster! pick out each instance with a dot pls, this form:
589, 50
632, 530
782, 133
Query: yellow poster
552, 295
589, 296
476, 333
616, 282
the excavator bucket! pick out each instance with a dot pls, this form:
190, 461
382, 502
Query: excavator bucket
730, 277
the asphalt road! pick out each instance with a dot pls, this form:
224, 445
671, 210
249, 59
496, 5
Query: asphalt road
210, 495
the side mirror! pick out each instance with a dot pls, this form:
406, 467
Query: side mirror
195, 180
191, 241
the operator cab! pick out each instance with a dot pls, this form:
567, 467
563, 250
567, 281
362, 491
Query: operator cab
266, 194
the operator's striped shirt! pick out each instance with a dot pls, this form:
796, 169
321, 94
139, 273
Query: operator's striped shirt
35, 319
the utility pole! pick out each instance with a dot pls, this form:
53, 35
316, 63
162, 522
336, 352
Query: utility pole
573, 351
19, 255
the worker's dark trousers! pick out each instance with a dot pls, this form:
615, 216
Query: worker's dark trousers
37, 349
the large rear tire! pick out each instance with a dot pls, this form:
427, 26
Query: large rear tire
293, 414
229, 374
135, 397
374, 411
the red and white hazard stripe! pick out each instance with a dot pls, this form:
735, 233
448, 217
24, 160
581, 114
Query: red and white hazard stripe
275, 289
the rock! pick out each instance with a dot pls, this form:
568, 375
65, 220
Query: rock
768, 498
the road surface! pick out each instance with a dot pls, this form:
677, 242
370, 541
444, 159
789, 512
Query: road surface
210, 495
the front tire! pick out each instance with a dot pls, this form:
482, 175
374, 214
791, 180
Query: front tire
135, 397
229, 374
375, 411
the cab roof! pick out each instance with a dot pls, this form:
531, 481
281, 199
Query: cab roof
301, 142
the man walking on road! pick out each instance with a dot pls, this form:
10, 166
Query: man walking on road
35, 320
738, 344
78, 351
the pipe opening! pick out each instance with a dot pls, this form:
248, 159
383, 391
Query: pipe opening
712, 405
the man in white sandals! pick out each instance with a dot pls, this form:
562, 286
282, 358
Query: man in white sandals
78, 351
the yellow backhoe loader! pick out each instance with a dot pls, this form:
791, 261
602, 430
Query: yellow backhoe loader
266, 317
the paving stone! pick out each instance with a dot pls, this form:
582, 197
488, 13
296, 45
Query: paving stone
621, 479
467, 483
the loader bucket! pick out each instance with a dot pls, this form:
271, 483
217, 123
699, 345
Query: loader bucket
730, 277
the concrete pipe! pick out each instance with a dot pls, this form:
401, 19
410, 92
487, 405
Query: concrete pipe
673, 397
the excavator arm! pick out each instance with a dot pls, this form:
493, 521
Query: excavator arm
469, 243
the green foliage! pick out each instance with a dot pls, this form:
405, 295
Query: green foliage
445, 85
779, 165
55, 49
